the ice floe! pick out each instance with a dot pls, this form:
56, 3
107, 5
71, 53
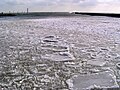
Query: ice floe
96, 63
59, 57
103, 80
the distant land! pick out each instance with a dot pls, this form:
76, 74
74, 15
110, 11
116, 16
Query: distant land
58, 14
37, 14
99, 14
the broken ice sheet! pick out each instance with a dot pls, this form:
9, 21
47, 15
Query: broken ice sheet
63, 56
50, 39
56, 48
101, 80
96, 63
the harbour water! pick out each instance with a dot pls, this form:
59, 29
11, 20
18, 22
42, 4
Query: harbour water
59, 53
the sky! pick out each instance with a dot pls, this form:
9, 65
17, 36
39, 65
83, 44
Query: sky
107, 6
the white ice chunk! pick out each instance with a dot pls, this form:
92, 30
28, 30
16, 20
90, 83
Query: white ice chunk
86, 82
64, 56
96, 63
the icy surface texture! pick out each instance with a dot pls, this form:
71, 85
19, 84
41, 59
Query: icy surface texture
44, 53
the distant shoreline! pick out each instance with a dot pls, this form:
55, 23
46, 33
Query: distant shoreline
58, 14
37, 14
7, 14
99, 14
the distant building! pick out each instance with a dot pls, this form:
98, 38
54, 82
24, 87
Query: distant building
27, 10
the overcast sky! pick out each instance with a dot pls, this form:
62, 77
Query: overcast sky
112, 6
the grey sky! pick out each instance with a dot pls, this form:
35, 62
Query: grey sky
61, 5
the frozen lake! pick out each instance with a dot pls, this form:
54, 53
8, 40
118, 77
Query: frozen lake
57, 53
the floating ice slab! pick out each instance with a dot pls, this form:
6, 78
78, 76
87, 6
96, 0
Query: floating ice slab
96, 63
50, 39
104, 80
57, 48
63, 56
118, 65
50, 36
